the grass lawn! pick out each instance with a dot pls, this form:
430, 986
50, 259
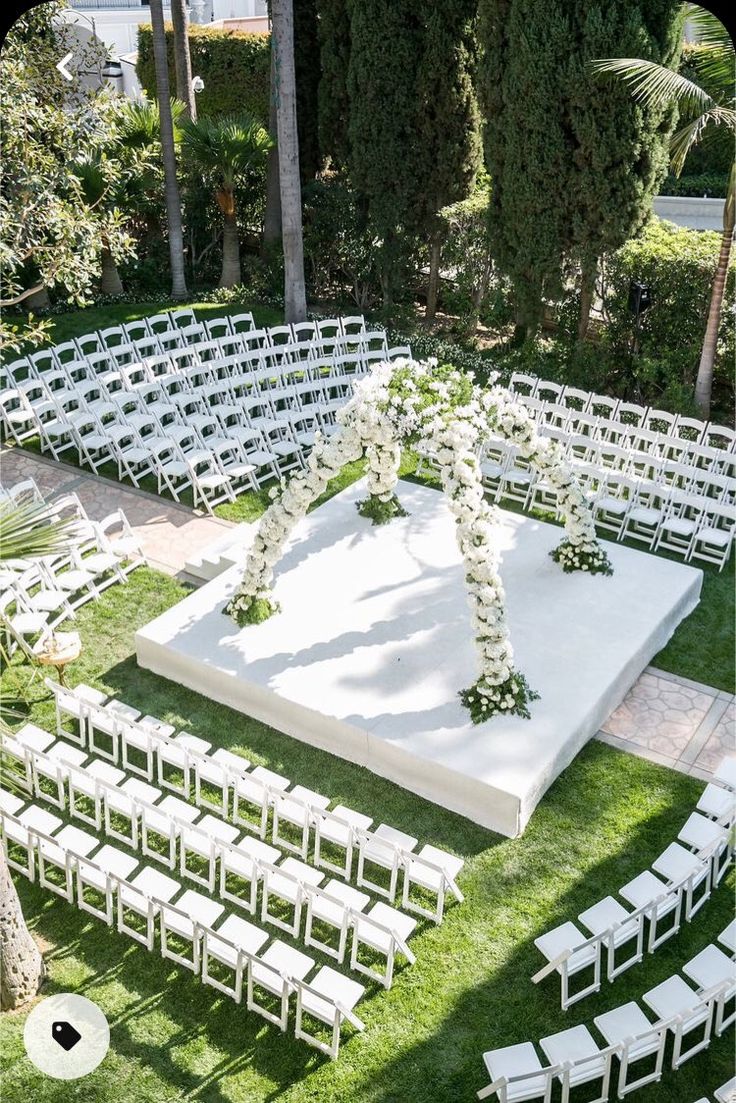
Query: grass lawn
604, 820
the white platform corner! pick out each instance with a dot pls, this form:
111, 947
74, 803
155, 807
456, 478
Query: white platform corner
374, 643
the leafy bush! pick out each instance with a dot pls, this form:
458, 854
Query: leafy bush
339, 251
234, 65
678, 264
424, 346
263, 282
713, 185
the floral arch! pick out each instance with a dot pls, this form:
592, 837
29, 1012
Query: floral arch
439, 410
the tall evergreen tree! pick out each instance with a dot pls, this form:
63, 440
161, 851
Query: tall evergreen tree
619, 148
386, 39
333, 102
307, 66
573, 170
448, 122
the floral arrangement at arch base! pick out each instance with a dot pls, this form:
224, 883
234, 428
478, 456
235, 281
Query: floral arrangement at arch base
444, 413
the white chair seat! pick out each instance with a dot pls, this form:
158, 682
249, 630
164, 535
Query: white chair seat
336, 832
628, 1021
331, 908
280, 959
286, 886
674, 997
197, 908
676, 862
427, 875
566, 937
240, 858
236, 763
34, 737
725, 772
295, 812
717, 801
246, 936
711, 967
699, 832
403, 925
575, 1044
197, 838
727, 937
645, 889
608, 913
148, 884
336, 988
518, 1060
109, 860
69, 838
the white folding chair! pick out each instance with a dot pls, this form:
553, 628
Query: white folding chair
329, 997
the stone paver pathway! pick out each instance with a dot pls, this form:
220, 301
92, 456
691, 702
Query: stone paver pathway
663, 718
171, 534
674, 721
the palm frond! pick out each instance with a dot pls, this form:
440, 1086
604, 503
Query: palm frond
32, 530
655, 85
139, 125
711, 32
229, 144
690, 135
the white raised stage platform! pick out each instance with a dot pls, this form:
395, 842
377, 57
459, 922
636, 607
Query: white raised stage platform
374, 642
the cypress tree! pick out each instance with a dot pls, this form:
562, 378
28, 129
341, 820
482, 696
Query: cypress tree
386, 39
448, 122
307, 67
619, 148
333, 105
574, 163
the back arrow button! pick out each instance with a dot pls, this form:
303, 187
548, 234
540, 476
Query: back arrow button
62, 66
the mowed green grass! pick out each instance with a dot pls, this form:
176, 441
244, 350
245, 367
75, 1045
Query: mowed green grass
604, 820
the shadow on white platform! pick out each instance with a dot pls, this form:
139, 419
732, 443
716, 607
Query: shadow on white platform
374, 642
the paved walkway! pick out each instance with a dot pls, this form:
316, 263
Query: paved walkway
664, 718
170, 533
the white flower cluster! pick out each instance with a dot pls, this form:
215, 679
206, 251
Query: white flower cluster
325, 462
447, 416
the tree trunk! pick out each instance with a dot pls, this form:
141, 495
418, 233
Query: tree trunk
704, 381
588, 277
110, 282
272, 215
39, 300
21, 965
282, 44
182, 57
433, 283
230, 251
168, 153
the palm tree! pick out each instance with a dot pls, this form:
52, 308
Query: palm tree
96, 190
168, 153
182, 57
282, 45
26, 532
227, 147
658, 86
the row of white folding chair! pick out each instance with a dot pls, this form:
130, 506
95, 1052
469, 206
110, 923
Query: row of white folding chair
696, 867
37, 598
575, 1057
235, 944
162, 332
181, 835
657, 430
146, 747
690, 525
696, 526
647, 417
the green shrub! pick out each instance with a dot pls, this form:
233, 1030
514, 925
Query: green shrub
678, 264
425, 345
713, 185
234, 65
339, 251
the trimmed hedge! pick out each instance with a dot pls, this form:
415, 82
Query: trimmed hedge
234, 65
710, 184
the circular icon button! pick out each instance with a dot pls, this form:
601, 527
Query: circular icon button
66, 1036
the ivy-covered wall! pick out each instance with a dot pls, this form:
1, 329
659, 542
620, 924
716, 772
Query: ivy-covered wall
234, 66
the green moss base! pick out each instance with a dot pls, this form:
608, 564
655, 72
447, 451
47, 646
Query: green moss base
381, 512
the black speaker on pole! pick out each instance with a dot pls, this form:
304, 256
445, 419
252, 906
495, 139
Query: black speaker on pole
640, 298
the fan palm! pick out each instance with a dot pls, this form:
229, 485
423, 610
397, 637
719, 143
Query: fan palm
27, 531
703, 111
227, 147
90, 171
